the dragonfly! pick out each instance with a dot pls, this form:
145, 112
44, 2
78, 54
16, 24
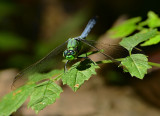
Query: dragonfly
74, 46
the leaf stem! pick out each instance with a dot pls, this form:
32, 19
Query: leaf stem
90, 53
130, 53
108, 61
120, 59
154, 64
57, 78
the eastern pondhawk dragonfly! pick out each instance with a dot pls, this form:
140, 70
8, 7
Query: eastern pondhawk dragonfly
74, 45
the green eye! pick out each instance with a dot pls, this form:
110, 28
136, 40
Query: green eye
70, 57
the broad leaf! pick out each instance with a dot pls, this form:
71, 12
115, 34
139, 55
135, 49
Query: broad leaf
130, 42
78, 73
152, 41
136, 65
12, 101
44, 94
125, 28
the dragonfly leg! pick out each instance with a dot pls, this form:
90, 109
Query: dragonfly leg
65, 67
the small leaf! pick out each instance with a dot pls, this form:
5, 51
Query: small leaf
152, 41
12, 101
44, 94
130, 42
124, 29
136, 64
78, 73
153, 19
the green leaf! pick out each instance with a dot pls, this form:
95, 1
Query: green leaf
78, 73
136, 64
12, 101
44, 94
130, 42
153, 19
38, 76
124, 29
152, 41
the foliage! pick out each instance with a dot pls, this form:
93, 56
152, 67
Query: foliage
43, 89
136, 65
125, 28
122, 30
130, 42
44, 94
78, 73
12, 101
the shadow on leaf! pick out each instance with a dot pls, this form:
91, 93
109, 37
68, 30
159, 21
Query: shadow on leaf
84, 65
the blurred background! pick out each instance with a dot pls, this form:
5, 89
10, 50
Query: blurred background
29, 29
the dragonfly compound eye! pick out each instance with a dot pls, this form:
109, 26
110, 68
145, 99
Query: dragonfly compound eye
69, 54
65, 53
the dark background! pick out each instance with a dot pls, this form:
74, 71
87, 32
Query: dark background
29, 29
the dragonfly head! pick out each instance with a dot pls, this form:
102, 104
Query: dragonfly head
69, 54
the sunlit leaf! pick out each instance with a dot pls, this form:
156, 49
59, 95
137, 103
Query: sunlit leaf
152, 41
78, 73
136, 65
130, 42
44, 94
124, 29
12, 101
153, 19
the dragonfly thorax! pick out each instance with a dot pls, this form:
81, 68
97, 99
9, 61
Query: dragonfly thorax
69, 54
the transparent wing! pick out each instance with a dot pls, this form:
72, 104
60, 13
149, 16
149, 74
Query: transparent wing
88, 28
90, 43
42, 65
111, 51
113, 46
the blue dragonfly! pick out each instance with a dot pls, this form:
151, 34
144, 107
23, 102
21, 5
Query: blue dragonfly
74, 46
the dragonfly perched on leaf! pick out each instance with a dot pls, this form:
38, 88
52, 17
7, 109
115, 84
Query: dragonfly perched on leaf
74, 46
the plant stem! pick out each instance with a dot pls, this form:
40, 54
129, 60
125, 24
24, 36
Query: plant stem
108, 61
57, 78
120, 59
154, 64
